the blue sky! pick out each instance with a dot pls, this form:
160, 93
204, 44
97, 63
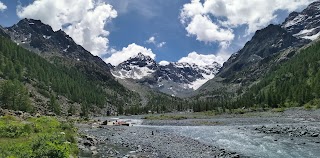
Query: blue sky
177, 24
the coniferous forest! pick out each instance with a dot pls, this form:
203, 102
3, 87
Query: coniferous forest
20, 66
293, 83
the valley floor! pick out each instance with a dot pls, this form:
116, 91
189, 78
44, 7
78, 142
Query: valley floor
292, 133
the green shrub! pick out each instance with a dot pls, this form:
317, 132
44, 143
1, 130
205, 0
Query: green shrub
315, 103
289, 104
37, 138
278, 110
239, 111
50, 146
307, 106
45, 124
8, 118
10, 127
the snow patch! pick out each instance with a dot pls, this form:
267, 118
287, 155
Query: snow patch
46, 37
294, 21
136, 72
313, 37
306, 31
199, 82
65, 50
307, 34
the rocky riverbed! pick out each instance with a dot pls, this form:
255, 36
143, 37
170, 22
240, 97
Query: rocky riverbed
294, 133
138, 141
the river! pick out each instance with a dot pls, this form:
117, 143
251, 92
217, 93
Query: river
228, 138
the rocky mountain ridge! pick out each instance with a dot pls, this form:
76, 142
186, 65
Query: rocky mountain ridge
58, 47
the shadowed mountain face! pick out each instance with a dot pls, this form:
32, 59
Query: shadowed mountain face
58, 47
265, 44
176, 79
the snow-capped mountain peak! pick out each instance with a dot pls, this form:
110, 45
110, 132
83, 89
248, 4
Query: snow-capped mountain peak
136, 67
204, 73
174, 78
142, 57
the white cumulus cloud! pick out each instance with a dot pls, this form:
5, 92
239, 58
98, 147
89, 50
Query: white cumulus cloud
201, 59
205, 30
152, 40
161, 44
83, 20
2, 6
132, 50
229, 14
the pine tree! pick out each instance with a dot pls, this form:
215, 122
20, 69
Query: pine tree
54, 106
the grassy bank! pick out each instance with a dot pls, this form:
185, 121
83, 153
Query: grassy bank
36, 137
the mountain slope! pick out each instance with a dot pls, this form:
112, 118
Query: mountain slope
3, 32
177, 79
293, 83
267, 47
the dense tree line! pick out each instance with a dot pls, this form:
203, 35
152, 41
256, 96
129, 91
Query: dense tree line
157, 103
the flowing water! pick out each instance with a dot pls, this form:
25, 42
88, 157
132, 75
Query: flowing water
248, 142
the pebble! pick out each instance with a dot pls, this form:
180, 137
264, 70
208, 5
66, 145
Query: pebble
93, 148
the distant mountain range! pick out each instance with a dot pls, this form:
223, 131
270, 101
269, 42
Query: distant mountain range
177, 79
